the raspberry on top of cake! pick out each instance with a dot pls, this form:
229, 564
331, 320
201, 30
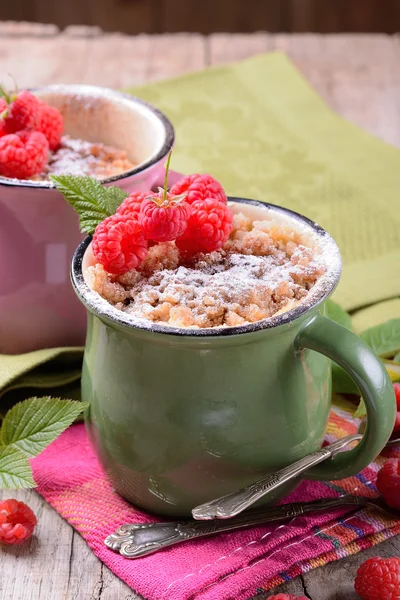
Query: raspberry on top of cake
185, 258
262, 269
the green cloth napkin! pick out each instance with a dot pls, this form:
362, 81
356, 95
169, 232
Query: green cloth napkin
259, 128
54, 371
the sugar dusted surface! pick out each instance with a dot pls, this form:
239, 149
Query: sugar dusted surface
79, 157
263, 270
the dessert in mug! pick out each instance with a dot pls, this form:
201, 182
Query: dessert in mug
187, 258
32, 144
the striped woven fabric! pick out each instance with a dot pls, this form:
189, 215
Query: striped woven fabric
235, 565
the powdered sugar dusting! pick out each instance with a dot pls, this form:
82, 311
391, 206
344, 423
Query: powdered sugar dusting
80, 157
262, 270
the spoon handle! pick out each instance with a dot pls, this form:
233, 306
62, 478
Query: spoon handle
234, 503
139, 539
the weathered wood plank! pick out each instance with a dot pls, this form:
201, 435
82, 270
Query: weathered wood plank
358, 76
23, 28
226, 48
117, 60
52, 59
172, 55
56, 564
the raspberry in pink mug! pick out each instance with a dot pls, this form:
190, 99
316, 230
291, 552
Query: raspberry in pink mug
39, 230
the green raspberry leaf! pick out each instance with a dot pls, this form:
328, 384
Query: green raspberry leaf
33, 424
384, 339
15, 470
338, 314
89, 198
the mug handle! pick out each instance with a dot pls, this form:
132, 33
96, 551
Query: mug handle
371, 378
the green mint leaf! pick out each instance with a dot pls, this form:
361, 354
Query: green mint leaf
33, 424
384, 339
89, 198
338, 314
15, 470
361, 411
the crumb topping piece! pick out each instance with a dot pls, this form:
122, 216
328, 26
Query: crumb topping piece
79, 157
261, 270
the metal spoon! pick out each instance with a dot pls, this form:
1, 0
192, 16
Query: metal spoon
234, 503
139, 539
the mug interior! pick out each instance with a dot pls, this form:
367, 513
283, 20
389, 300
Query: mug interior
311, 234
97, 114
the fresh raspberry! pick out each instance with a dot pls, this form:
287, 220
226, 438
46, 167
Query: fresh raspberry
388, 482
51, 124
209, 226
119, 244
131, 205
3, 107
23, 154
164, 217
199, 187
22, 113
286, 597
396, 428
17, 522
379, 579
396, 387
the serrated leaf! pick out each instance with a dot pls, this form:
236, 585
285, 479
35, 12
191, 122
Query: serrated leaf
15, 470
89, 198
113, 197
338, 314
33, 424
384, 339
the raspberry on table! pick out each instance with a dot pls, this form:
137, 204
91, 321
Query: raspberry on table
22, 112
199, 187
3, 107
23, 154
119, 244
209, 227
396, 428
164, 216
132, 203
379, 579
396, 387
286, 597
51, 124
17, 522
388, 482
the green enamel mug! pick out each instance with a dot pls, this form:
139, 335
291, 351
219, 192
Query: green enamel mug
179, 416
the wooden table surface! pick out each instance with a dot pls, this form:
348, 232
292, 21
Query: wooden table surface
358, 76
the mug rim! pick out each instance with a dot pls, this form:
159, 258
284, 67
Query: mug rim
322, 289
101, 91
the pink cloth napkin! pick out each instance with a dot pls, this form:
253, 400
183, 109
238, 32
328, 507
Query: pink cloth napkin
232, 565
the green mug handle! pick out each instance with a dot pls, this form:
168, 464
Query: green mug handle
371, 378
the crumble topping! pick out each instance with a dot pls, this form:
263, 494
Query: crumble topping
263, 269
79, 157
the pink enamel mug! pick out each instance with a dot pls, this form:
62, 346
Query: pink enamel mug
39, 231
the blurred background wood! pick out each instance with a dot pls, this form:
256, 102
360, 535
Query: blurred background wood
209, 16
